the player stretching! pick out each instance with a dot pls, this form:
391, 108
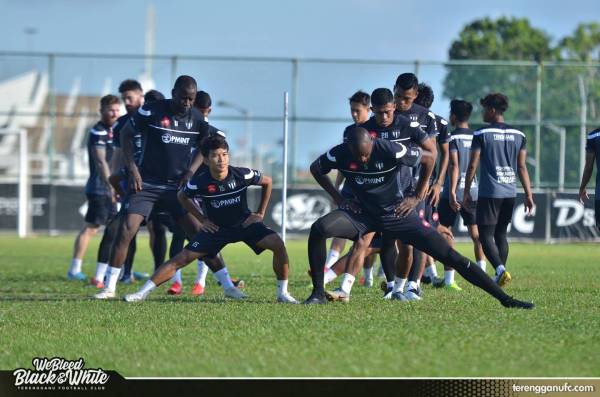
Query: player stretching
169, 130
225, 218
592, 152
380, 209
100, 194
502, 151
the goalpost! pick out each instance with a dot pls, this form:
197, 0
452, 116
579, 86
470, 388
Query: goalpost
23, 217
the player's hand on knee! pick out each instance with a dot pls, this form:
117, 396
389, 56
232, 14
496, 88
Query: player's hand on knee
351, 205
406, 206
252, 218
135, 181
208, 226
434, 195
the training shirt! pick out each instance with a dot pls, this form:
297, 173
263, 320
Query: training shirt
375, 184
460, 142
593, 145
223, 202
499, 145
99, 136
168, 141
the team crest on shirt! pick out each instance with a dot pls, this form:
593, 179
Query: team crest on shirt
212, 188
165, 122
373, 134
353, 166
379, 165
221, 188
232, 185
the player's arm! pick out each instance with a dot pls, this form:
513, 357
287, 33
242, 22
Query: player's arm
427, 163
441, 175
127, 134
115, 182
454, 174
99, 158
338, 180
324, 181
471, 170
266, 183
194, 165
588, 169
187, 202
524, 177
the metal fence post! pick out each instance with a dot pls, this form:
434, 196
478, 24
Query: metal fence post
538, 126
51, 133
293, 164
173, 69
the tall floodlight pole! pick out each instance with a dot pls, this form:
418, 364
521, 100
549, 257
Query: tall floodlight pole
285, 166
582, 125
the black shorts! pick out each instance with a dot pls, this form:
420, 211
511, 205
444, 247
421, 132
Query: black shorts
428, 213
155, 198
448, 216
100, 209
212, 243
494, 211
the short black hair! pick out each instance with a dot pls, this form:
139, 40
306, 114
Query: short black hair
495, 100
461, 109
425, 96
406, 81
108, 100
357, 135
203, 100
153, 96
185, 82
213, 142
381, 97
130, 85
361, 97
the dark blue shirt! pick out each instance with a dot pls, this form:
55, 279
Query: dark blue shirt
223, 202
460, 143
375, 184
593, 145
100, 136
168, 141
499, 145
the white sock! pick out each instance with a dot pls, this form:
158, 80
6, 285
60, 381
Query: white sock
347, 283
202, 272
147, 288
412, 285
329, 276
282, 287
481, 264
224, 278
431, 271
332, 258
112, 277
389, 284
500, 269
368, 271
399, 284
75, 266
380, 272
177, 277
448, 277
100, 271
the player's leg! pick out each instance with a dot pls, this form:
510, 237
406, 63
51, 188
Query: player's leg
335, 224
487, 218
158, 240
128, 276
164, 273
428, 240
448, 281
477, 249
177, 243
335, 250
108, 237
503, 277
368, 270
281, 262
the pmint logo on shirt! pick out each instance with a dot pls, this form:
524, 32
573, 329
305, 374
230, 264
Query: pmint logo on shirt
60, 374
169, 138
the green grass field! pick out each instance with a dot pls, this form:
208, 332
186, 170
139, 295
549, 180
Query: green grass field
446, 334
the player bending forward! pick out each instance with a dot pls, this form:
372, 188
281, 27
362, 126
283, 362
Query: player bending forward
225, 218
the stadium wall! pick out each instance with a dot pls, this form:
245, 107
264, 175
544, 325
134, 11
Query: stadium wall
558, 216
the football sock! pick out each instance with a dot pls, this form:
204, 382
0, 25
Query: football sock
448, 277
500, 269
481, 264
177, 277
100, 271
202, 272
147, 288
431, 271
399, 284
332, 258
368, 271
75, 266
282, 287
329, 276
112, 277
224, 278
412, 285
389, 284
347, 283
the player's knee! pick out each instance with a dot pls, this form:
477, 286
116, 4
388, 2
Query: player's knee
317, 229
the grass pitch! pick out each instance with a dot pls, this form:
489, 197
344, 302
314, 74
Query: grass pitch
446, 334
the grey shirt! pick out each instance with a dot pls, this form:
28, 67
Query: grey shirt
499, 145
460, 143
593, 145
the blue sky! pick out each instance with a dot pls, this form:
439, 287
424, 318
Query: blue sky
364, 29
